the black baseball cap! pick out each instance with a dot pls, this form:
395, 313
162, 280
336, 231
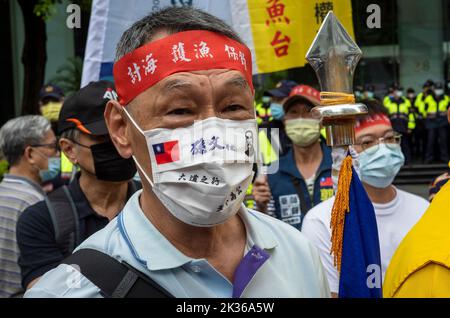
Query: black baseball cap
51, 90
84, 109
282, 89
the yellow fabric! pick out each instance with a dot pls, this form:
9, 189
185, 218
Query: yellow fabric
249, 201
283, 30
431, 281
419, 103
411, 121
423, 256
261, 113
432, 107
393, 107
268, 153
323, 132
386, 100
66, 166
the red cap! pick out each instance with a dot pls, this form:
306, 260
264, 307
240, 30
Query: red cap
303, 92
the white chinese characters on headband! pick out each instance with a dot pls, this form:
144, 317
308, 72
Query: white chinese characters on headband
149, 66
234, 56
202, 50
179, 53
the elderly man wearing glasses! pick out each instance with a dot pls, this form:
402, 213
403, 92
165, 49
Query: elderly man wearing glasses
380, 158
29, 145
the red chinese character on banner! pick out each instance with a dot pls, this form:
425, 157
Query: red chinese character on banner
276, 12
283, 49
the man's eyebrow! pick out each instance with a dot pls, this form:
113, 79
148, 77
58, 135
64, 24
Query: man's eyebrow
237, 81
174, 84
366, 135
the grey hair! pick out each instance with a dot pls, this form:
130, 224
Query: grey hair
21, 132
71, 134
171, 20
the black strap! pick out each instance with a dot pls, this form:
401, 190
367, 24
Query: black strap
64, 216
299, 187
115, 279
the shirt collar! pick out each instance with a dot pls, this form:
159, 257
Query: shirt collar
154, 251
30, 182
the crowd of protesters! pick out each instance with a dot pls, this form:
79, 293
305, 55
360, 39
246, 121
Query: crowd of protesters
86, 176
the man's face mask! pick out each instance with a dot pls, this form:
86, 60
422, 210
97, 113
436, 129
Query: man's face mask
51, 111
108, 164
303, 131
53, 170
201, 173
378, 168
277, 111
439, 92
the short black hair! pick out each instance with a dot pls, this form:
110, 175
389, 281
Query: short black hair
171, 20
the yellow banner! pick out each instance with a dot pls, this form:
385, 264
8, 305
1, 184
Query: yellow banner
283, 30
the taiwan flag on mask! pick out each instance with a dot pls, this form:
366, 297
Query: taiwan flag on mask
166, 152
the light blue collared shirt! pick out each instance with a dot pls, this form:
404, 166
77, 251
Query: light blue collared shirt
279, 261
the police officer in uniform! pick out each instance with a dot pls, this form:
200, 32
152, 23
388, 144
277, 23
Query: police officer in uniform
402, 118
435, 108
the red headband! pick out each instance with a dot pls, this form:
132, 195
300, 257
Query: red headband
181, 52
378, 119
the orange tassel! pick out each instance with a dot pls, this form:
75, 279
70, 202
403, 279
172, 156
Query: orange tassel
340, 207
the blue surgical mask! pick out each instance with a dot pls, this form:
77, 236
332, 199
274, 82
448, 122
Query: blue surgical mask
379, 169
277, 111
53, 170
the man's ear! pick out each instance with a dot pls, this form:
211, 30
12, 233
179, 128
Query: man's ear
117, 127
29, 155
68, 147
448, 115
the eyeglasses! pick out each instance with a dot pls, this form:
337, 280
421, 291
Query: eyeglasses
54, 145
371, 145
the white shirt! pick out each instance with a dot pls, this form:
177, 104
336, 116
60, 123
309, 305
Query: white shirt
281, 262
394, 220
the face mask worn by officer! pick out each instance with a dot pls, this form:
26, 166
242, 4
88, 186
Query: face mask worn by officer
379, 169
201, 183
109, 165
303, 131
277, 111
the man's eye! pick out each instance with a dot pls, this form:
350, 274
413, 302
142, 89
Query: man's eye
368, 142
233, 108
180, 111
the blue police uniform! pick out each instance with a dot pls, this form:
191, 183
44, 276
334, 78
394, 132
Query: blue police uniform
288, 203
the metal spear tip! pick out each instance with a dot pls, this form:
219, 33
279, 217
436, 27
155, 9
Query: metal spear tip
334, 55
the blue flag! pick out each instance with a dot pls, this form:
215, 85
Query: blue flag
360, 275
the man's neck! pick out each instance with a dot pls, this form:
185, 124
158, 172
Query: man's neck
20, 171
105, 198
308, 159
380, 196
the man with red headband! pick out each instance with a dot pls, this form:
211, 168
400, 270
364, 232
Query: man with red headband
186, 116
380, 158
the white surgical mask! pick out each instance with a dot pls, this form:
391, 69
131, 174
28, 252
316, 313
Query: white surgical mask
201, 172
380, 168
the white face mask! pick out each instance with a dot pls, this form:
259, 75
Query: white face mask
201, 173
